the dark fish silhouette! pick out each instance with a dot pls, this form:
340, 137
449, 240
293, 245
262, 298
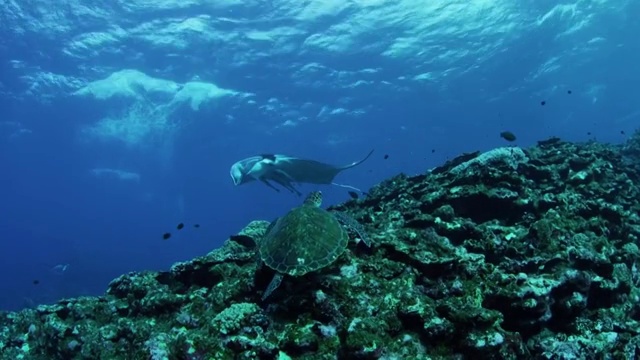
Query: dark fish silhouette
180, 226
508, 135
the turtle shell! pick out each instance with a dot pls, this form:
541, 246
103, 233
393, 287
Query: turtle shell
306, 239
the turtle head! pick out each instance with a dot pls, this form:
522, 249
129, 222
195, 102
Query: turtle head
314, 198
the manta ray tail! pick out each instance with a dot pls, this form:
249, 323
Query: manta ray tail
348, 187
356, 163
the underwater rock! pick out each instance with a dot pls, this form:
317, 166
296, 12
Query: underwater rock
509, 254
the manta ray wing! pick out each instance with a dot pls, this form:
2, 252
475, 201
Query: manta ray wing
304, 171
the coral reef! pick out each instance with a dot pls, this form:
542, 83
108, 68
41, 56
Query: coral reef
511, 254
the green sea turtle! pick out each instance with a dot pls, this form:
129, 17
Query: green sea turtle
306, 239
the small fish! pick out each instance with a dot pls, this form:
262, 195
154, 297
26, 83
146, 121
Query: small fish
166, 236
196, 225
508, 135
36, 282
543, 103
569, 92
180, 226
60, 269
353, 194
386, 156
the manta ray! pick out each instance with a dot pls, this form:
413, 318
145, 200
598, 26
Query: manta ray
287, 171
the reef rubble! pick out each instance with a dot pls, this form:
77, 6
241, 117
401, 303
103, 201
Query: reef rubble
508, 254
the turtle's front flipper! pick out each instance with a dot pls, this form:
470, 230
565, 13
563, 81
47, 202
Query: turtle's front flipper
275, 282
351, 224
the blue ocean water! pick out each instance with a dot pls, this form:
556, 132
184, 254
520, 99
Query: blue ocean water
117, 123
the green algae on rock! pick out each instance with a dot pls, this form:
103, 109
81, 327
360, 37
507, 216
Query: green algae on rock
513, 253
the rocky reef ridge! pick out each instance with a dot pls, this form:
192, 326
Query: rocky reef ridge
509, 254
